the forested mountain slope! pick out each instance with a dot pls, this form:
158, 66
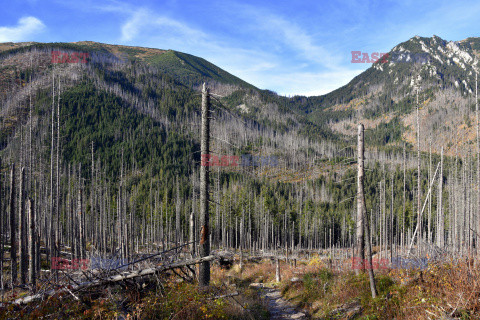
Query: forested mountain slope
123, 128
384, 96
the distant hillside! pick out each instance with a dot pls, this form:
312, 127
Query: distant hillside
147, 87
164, 85
384, 96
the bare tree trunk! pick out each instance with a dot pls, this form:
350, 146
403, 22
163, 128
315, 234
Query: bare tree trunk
204, 248
192, 215
391, 230
57, 182
3, 230
51, 239
178, 236
404, 193
361, 206
429, 221
359, 256
32, 239
419, 219
278, 276
478, 165
81, 230
455, 218
441, 222
22, 224
13, 228
241, 241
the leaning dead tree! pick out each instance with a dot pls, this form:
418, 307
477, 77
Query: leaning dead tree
117, 278
204, 248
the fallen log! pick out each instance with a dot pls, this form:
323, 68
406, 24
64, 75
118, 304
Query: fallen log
234, 294
113, 279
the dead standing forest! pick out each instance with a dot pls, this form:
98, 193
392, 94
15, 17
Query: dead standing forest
102, 161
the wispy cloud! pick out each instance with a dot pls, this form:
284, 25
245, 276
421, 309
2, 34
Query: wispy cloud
293, 36
270, 50
146, 21
164, 32
254, 64
291, 47
25, 28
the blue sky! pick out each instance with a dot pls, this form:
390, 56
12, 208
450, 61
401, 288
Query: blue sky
290, 47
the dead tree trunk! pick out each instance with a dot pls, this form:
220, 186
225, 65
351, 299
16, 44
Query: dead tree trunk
404, 195
22, 224
192, 215
13, 229
361, 206
2, 232
241, 241
178, 226
359, 256
80, 241
32, 240
278, 276
204, 248
102, 282
419, 200
478, 163
441, 220
57, 182
51, 250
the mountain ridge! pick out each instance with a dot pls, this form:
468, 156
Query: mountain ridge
383, 96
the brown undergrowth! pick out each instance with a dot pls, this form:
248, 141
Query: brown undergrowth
164, 297
450, 290
447, 290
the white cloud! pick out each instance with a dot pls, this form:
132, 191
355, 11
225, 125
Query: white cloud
143, 21
314, 71
284, 33
293, 36
25, 28
132, 27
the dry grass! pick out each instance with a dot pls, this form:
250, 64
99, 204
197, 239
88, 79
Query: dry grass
445, 290
451, 289
442, 290
164, 297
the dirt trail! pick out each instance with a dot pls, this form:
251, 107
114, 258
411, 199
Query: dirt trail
279, 308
